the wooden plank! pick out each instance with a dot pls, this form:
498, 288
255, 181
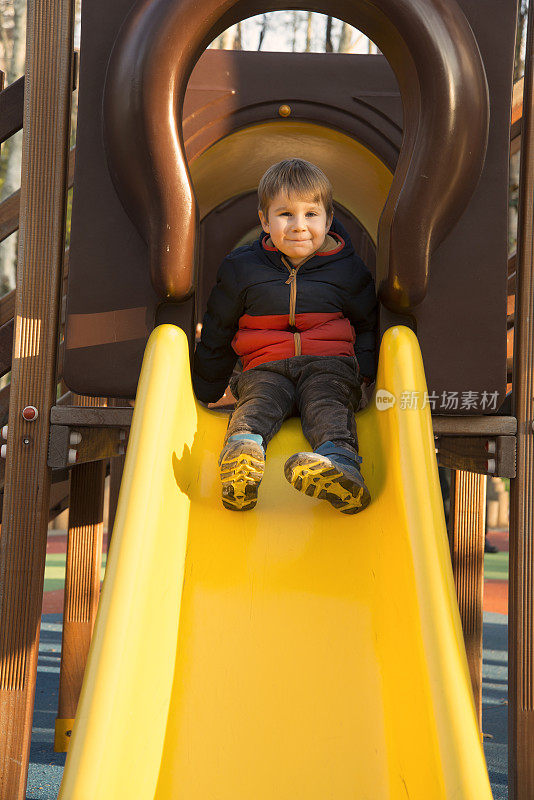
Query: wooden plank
450, 426
6, 347
59, 498
70, 446
466, 533
82, 582
116, 472
59, 493
521, 576
7, 307
474, 426
11, 109
12, 103
82, 589
116, 469
486, 456
10, 207
76, 416
5, 394
48, 80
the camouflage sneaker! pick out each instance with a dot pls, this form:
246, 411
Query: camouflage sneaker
241, 463
330, 473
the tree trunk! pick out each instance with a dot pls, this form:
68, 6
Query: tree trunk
237, 40
227, 39
309, 32
328, 38
345, 39
295, 30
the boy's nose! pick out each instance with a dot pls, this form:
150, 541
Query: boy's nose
299, 223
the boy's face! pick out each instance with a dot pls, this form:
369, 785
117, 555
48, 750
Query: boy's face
297, 226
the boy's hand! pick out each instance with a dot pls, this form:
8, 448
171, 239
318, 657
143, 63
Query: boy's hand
226, 401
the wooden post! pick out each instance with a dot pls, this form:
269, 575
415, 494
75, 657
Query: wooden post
466, 532
116, 469
82, 584
48, 81
521, 578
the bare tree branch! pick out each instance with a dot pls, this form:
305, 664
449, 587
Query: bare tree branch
263, 31
328, 37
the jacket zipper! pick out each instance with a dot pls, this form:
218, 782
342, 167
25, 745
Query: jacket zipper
292, 282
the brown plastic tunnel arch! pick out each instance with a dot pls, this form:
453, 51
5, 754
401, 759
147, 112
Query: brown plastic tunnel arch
435, 57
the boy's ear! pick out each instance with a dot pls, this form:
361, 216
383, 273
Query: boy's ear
329, 223
264, 222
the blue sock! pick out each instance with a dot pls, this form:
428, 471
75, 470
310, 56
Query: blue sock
239, 437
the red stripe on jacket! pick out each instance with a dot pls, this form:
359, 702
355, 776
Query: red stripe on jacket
268, 338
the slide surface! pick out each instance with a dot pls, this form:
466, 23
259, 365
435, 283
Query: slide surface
286, 653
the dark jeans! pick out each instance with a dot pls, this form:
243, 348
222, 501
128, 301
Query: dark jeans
324, 390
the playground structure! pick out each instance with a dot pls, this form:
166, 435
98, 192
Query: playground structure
417, 279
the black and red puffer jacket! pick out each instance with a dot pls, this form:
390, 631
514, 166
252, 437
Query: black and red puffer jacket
262, 309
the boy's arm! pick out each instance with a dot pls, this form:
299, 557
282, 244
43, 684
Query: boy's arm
361, 310
214, 357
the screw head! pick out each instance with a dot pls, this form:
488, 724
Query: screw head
284, 110
30, 413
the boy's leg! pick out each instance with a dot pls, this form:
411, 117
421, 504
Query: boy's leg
264, 400
328, 392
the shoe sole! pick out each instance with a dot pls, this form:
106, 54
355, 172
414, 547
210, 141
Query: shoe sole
240, 477
319, 480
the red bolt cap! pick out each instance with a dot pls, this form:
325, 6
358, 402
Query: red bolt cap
30, 413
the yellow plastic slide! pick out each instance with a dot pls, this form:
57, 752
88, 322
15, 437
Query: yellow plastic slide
286, 653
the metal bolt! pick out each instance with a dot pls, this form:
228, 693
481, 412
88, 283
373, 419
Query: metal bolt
3, 451
4, 432
284, 110
26, 441
72, 457
75, 438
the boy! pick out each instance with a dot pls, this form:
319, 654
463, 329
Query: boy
298, 307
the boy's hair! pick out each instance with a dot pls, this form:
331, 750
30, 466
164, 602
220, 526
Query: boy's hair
296, 176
